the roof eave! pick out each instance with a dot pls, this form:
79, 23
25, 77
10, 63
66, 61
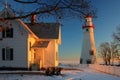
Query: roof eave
28, 28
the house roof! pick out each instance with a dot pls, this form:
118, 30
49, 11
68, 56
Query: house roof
45, 30
6, 12
40, 44
40, 30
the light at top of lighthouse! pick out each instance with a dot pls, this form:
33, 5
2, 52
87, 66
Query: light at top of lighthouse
88, 22
88, 18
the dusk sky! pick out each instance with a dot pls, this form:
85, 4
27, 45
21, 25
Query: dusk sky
108, 19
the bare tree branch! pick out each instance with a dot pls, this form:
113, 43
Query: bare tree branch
26, 1
57, 8
116, 35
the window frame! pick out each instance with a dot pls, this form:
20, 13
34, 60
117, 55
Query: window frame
7, 54
7, 33
87, 30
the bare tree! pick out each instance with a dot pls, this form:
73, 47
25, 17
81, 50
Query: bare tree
114, 51
116, 37
118, 56
103, 51
60, 9
109, 52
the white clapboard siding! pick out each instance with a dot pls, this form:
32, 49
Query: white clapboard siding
19, 45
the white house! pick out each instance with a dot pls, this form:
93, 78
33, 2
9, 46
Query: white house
23, 45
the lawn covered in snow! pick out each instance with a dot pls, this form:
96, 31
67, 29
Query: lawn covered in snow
83, 73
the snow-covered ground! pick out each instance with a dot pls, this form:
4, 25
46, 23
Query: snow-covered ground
83, 73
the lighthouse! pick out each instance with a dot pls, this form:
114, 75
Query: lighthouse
88, 51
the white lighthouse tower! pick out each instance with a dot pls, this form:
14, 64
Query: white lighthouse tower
88, 52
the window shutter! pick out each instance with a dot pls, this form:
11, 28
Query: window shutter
3, 53
11, 32
11, 54
3, 33
8, 32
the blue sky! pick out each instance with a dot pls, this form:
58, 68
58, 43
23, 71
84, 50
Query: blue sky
108, 19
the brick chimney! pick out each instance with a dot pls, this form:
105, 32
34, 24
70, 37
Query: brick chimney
33, 18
